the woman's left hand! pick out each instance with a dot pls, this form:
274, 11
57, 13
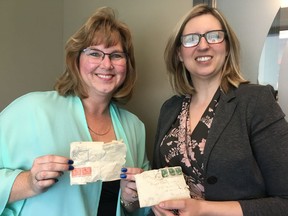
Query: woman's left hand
128, 185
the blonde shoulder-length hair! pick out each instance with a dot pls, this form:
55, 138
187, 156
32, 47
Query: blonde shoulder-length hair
101, 28
178, 75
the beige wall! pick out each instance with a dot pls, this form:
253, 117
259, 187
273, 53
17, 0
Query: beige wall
37, 30
30, 46
33, 34
150, 22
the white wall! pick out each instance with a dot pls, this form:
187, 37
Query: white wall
251, 21
269, 62
283, 79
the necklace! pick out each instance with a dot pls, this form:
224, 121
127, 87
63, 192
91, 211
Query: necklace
100, 134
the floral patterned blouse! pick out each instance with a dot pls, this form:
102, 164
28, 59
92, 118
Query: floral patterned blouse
181, 147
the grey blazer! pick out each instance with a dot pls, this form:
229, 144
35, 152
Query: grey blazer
246, 152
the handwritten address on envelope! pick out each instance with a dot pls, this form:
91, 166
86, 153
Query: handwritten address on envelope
155, 186
95, 161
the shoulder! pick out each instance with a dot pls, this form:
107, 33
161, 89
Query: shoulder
255, 95
258, 100
172, 102
255, 90
251, 94
34, 101
170, 109
34, 97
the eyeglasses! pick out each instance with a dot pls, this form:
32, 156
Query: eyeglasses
212, 37
97, 56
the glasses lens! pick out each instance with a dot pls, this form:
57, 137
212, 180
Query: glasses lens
212, 37
97, 56
190, 40
215, 37
118, 58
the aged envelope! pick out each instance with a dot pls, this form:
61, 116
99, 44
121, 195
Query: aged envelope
95, 161
154, 186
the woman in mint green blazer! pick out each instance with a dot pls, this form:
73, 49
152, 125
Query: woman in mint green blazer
36, 129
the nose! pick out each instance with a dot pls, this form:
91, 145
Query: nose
106, 62
203, 44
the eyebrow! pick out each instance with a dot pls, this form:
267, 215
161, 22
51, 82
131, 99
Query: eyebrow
114, 51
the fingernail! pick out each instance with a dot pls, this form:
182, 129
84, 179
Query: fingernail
71, 167
70, 161
123, 169
123, 176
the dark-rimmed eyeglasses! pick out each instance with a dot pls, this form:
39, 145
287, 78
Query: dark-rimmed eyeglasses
97, 56
212, 37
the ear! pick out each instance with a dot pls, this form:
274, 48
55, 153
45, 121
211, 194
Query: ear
179, 55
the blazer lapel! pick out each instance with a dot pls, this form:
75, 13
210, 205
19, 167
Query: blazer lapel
168, 114
223, 115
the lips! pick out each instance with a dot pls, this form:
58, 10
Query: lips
203, 58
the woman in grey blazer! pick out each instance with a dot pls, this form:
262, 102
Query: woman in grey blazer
230, 137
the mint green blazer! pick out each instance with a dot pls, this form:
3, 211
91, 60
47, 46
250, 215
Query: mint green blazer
42, 123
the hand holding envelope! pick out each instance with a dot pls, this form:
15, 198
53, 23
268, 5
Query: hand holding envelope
95, 161
158, 185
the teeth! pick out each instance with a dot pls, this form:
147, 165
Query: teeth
202, 59
104, 76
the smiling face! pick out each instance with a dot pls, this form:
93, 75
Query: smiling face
203, 61
102, 78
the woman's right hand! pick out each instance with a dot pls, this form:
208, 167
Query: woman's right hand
44, 173
197, 207
46, 170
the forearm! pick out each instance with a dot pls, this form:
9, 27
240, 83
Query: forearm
21, 188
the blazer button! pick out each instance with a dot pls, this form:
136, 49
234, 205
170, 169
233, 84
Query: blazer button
212, 180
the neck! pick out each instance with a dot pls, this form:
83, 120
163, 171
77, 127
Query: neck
100, 125
204, 96
95, 107
205, 89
